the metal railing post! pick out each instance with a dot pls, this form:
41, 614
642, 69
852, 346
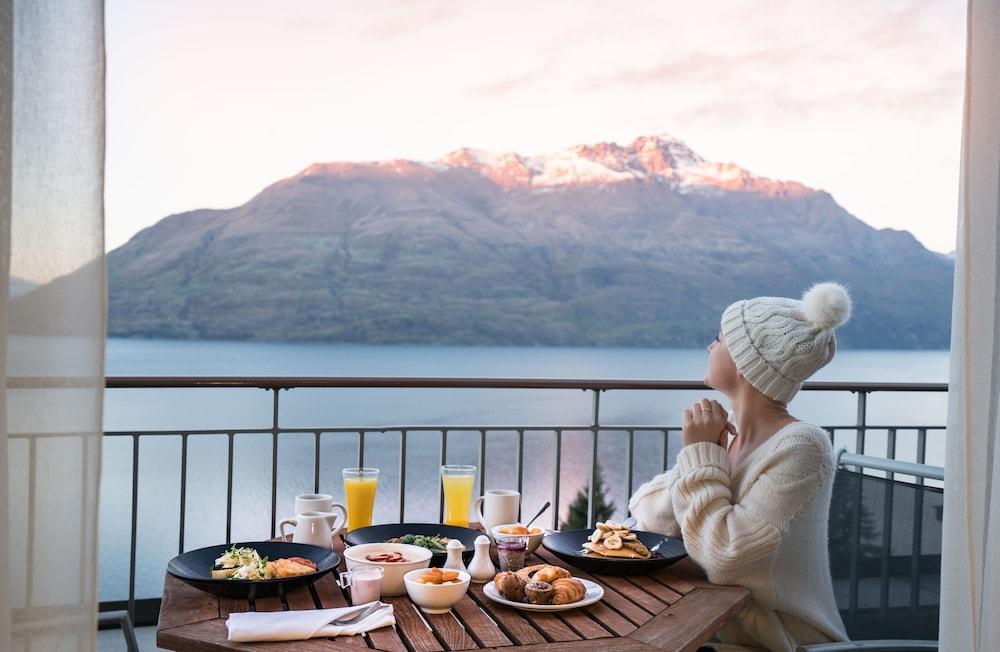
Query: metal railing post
135, 514
229, 487
482, 462
556, 472
402, 474
859, 446
316, 449
444, 458
595, 425
183, 505
629, 449
274, 462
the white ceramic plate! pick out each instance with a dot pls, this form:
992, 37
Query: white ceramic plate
594, 593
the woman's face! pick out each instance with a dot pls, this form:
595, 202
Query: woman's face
722, 374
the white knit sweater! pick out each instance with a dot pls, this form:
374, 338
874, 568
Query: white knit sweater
761, 525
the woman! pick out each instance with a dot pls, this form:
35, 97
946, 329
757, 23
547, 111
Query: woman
754, 512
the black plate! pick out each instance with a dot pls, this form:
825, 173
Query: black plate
382, 533
568, 546
195, 568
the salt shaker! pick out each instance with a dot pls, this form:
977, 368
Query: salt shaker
481, 567
455, 550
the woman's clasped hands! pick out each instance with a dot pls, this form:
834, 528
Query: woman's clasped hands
707, 421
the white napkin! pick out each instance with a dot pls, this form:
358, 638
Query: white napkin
302, 625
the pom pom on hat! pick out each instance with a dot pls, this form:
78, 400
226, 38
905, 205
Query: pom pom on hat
827, 305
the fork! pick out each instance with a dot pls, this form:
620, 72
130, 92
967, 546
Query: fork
348, 620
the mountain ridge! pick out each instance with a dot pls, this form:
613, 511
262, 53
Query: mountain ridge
643, 247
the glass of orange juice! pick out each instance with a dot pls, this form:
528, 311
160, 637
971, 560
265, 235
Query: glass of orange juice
359, 490
456, 482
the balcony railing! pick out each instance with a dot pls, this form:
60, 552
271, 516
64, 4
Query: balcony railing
144, 611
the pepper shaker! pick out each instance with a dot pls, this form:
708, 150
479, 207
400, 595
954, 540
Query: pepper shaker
481, 567
455, 550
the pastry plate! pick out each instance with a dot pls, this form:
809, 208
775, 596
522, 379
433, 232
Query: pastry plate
594, 593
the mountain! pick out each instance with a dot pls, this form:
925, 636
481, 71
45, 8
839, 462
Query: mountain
639, 245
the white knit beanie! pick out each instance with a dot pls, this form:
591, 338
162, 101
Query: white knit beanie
778, 343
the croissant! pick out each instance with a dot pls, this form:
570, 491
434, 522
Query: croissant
567, 589
527, 572
550, 574
510, 586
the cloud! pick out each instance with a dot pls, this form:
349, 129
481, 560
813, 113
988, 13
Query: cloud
414, 18
507, 85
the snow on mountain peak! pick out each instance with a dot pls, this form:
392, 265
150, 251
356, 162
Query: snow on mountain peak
656, 157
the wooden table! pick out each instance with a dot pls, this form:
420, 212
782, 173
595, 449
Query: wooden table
675, 609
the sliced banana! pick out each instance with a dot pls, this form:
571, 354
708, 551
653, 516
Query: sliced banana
596, 536
629, 537
614, 542
603, 527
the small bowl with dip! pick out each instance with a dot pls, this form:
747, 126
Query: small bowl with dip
433, 593
395, 560
534, 535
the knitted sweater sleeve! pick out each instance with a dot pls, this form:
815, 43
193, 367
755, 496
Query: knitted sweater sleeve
727, 536
652, 505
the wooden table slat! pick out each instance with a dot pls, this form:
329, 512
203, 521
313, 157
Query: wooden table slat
450, 631
329, 594
581, 623
479, 625
684, 576
183, 604
551, 627
613, 598
611, 619
411, 626
300, 600
268, 604
633, 593
230, 606
510, 620
690, 622
660, 591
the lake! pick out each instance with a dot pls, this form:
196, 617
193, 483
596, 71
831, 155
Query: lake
309, 409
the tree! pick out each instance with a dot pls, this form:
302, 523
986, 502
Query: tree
577, 518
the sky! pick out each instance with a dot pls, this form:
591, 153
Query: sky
209, 101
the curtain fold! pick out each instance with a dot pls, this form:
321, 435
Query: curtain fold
970, 590
52, 324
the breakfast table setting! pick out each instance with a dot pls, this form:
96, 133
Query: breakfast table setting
336, 581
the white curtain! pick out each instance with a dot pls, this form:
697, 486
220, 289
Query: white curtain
52, 320
970, 573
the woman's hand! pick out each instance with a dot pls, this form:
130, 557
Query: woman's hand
707, 421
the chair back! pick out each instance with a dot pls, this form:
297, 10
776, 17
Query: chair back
885, 555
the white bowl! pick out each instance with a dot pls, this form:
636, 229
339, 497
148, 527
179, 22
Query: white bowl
534, 540
392, 574
435, 598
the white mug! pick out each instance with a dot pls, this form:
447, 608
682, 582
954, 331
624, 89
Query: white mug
313, 528
318, 503
497, 507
